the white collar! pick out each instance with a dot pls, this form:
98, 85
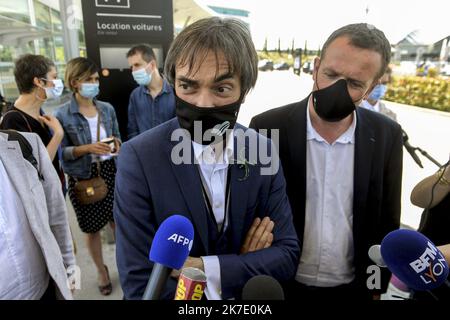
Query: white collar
366, 105
205, 154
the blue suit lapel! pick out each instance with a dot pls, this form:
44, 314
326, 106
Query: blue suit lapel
189, 181
239, 191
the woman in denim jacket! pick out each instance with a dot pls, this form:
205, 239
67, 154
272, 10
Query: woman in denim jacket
82, 151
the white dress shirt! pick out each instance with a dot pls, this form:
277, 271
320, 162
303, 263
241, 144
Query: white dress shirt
214, 168
366, 105
327, 255
23, 271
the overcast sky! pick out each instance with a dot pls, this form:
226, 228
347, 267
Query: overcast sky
314, 20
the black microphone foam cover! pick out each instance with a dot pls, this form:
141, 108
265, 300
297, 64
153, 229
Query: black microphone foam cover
262, 287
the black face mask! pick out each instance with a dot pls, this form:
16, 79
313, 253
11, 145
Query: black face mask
214, 121
333, 103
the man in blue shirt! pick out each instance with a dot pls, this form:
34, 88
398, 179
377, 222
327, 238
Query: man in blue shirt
153, 102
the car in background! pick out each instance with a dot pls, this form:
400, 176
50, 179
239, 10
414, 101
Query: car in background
297, 64
445, 70
308, 67
264, 65
282, 66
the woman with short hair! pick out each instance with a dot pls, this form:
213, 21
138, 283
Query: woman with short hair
37, 80
87, 122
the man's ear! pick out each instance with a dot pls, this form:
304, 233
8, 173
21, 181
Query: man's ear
316, 68
372, 86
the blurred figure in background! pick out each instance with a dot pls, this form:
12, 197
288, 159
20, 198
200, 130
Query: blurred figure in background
433, 194
153, 102
373, 101
3, 105
37, 81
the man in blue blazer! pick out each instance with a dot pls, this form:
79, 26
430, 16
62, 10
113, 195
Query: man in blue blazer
225, 178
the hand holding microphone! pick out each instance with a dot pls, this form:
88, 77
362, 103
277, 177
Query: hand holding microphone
170, 248
190, 262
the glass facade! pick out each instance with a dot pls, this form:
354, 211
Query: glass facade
17, 10
231, 12
31, 26
240, 14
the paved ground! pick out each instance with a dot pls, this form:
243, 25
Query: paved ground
89, 289
429, 130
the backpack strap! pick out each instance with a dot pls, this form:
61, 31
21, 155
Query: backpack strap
23, 117
25, 147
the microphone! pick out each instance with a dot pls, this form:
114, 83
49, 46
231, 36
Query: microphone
414, 260
262, 287
170, 249
410, 149
191, 284
396, 282
396, 288
375, 255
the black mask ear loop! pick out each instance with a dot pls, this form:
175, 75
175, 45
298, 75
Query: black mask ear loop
317, 75
317, 85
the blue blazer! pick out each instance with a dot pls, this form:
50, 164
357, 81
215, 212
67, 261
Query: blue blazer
150, 188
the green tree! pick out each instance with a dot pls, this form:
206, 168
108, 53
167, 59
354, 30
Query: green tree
293, 46
279, 46
305, 51
265, 46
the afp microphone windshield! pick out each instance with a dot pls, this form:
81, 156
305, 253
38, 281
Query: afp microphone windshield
414, 259
170, 249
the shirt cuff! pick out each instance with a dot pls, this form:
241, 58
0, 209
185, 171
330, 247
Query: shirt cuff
213, 289
68, 153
